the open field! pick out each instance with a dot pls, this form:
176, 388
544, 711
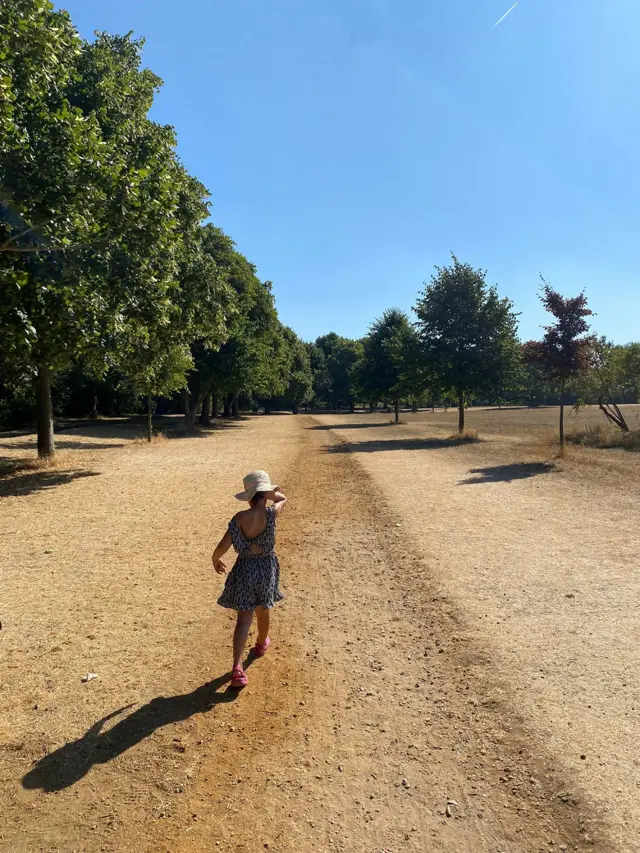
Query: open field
454, 669
519, 421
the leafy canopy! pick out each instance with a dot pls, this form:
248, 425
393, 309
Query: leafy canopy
387, 369
468, 334
564, 349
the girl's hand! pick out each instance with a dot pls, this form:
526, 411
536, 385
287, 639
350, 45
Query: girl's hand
220, 566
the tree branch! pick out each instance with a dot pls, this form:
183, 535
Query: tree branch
3, 246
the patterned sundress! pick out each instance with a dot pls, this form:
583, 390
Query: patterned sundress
254, 581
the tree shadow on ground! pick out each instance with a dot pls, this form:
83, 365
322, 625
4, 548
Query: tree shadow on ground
62, 443
327, 427
71, 762
120, 431
21, 483
508, 473
400, 444
202, 431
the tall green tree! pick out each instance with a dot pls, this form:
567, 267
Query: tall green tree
273, 373
88, 237
388, 366
246, 361
342, 357
300, 379
320, 374
565, 348
468, 334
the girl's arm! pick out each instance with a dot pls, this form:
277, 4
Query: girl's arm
221, 549
279, 500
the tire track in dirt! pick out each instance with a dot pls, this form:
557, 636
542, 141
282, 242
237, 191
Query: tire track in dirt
376, 724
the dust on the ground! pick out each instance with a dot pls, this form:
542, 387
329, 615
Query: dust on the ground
384, 719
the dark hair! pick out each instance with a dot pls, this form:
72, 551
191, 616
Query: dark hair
259, 496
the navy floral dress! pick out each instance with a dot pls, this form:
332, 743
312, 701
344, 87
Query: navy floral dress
254, 581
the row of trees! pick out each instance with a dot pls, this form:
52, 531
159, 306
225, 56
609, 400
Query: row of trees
114, 285
108, 265
464, 346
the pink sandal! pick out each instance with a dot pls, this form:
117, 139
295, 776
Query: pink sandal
260, 649
238, 677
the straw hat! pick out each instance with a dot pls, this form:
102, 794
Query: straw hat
256, 481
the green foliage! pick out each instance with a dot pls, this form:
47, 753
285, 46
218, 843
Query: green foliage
300, 378
468, 334
79, 393
102, 251
342, 357
610, 375
112, 286
17, 399
388, 369
321, 380
253, 357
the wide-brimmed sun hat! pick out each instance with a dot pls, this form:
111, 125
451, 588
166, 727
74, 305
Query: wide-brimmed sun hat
256, 481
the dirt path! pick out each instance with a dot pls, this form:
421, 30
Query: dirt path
380, 722
540, 563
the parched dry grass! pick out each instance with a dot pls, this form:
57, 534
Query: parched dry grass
156, 438
19, 465
605, 437
467, 436
519, 421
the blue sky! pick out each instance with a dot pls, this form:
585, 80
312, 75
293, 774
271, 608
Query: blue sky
350, 145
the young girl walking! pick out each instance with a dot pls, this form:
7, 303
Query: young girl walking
253, 584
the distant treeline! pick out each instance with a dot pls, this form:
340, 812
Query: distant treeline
118, 295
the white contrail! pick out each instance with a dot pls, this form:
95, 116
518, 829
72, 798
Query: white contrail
506, 15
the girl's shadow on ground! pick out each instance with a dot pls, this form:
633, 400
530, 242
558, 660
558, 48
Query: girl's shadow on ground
68, 764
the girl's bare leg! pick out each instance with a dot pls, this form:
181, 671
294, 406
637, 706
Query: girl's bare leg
243, 624
262, 615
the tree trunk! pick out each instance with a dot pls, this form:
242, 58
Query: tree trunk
267, 407
215, 406
44, 412
235, 410
414, 408
94, 408
149, 417
562, 414
461, 413
295, 408
614, 415
206, 408
186, 405
396, 410
226, 412
193, 412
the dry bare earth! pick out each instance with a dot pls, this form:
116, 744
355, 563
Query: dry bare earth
394, 714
